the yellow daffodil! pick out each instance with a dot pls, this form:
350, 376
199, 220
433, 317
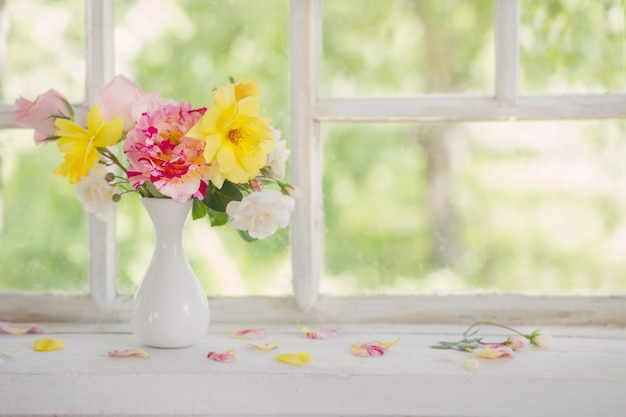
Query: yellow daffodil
237, 141
79, 144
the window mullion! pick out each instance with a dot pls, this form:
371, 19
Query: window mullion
99, 70
507, 51
305, 48
460, 108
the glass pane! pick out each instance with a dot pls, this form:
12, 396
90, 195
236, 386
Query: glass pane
45, 49
187, 48
528, 207
43, 229
573, 46
406, 47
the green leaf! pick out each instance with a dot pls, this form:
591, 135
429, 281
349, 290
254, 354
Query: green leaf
217, 218
246, 236
152, 190
199, 209
218, 198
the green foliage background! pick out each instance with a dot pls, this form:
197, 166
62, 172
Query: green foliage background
515, 224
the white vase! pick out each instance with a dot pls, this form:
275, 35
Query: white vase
170, 309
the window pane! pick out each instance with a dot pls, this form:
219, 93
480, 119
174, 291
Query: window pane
222, 261
45, 49
403, 47
186, 48
573, 46
524, 207
43, 228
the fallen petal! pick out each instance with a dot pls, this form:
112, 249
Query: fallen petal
10, 353
297, 359
124, 353
249, 334
472, 364
46, 344
19, 329
227, 356
267, 346
366, 350
372, 349
494, 351
386, 345
312, 334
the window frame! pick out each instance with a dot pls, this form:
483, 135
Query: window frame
308, 112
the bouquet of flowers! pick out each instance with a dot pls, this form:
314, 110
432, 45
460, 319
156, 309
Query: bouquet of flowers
227, 158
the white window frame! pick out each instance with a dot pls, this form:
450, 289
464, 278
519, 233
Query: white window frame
308, 111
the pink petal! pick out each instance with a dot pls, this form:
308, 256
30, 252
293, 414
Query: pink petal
367, 351
227, 356
312, 334
249, 334
124, 353
18, 329
372, 349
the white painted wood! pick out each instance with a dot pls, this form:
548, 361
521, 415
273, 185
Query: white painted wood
470, 108
507, 50
305, 29
427, 108
100, 65
578, 376
422, 309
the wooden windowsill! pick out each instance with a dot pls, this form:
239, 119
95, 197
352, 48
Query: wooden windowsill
583, 373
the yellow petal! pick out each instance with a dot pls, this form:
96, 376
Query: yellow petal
266, 347
69, 128
386, 345
224, 97
472, 364
110, 133
46, 344
249, 106
243, 90
138, 353
212, 142
297, 359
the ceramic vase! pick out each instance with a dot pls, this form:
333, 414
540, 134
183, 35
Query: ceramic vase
170, 309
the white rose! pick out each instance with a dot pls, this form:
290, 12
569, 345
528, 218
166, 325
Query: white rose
277, 160
261, 213
96, 194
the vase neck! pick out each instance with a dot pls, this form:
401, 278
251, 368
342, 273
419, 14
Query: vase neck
168, 216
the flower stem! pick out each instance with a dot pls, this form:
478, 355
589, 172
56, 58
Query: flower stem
490, 323
111, 157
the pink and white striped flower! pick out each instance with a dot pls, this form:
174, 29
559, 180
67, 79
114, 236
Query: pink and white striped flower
158, 151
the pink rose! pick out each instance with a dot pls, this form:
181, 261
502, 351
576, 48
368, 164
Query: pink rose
40, 114
117, 99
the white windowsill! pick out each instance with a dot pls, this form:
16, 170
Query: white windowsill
582, 374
